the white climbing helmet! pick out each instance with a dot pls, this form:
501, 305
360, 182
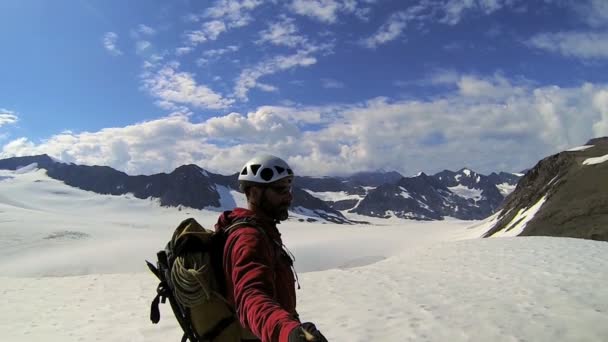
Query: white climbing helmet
265, 169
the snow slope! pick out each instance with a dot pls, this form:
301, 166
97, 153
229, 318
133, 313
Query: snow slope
73, 270
597, 160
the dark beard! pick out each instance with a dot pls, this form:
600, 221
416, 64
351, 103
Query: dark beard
278, 213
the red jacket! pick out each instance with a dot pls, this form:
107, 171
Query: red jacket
259, 280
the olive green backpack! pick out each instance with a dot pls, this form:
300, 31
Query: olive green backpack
192, 279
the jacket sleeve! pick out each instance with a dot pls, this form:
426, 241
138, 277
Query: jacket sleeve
251, 267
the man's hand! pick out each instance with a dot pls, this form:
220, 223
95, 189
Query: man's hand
307, 332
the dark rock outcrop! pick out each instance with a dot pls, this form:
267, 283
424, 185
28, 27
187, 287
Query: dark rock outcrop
575, 193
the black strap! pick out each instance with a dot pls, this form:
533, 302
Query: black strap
154, 311
162, 292
153, 269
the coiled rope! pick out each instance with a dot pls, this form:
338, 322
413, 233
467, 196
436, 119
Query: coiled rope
191, 276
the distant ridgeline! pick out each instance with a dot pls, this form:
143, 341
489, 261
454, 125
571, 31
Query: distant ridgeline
464, 194
564, 195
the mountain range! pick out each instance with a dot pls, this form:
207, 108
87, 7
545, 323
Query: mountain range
464, 194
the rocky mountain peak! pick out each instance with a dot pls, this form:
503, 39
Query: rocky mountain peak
563, 195
598, 141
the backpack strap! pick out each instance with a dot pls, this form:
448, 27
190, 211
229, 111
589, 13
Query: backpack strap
163, 292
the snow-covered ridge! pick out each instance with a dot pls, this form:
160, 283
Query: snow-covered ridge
580, 148
28, 168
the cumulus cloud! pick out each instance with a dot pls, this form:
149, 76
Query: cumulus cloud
496, 86
510, 129
586, 45
173, 87
7, 117
164, 144
109, 43
284, 33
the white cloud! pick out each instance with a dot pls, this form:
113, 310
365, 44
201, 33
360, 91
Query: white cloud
164, 144
248, 77
492, 87
600, 103
444, 77
209, 31
453, 10
592, 12
142, 32
183, 51
214, 54
109, 43
284, 33
396, 24
449, 12
141, 46
173, 87
325, 11
389, 31
489, 124
329, 83
234, 11
152, 61
266, 87
7, 117
219, 52
146, 30
222, 16
586, 45
363, 13
214, 28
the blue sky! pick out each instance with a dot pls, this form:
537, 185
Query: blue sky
333, 86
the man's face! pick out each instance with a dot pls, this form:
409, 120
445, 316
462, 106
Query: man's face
276, 199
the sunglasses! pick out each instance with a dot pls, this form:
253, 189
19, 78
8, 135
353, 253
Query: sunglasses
281, 190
